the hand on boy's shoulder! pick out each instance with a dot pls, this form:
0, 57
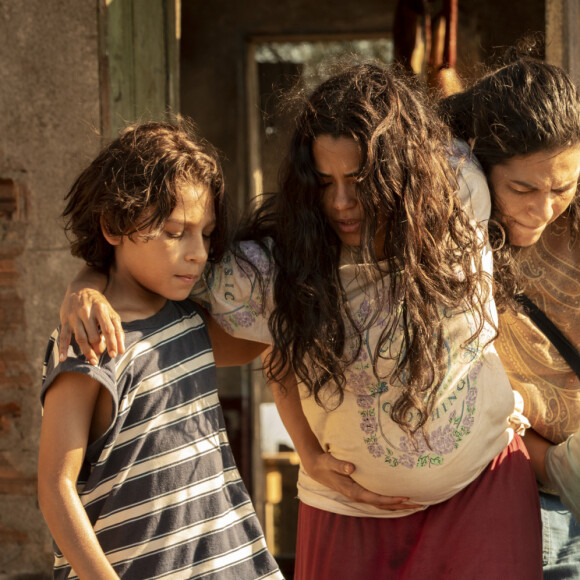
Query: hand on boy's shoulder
96, 326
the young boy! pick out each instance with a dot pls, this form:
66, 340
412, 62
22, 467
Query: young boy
136, 475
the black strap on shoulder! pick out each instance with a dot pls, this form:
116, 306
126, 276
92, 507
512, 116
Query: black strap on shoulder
552, 332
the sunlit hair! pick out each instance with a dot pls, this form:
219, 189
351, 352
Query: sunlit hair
526, 106
134, 183
407, 189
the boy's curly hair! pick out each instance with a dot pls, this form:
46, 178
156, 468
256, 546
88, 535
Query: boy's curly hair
133, 184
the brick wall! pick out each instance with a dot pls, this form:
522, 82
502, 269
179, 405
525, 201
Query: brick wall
49, 107
18, 538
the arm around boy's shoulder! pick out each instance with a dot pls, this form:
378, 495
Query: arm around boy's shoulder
228, 350
237, 291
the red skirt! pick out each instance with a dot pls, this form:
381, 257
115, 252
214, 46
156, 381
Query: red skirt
489, 530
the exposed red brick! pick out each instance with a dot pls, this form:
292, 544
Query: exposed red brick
11, 311
8, 273
9, 278
7, 265
14, 367
7, 412
12, 355
11, 382
12, 536
9, 195
11, 249
11, 408
13, 481
15, 382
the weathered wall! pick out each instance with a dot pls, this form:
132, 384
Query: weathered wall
49, 105
563, 36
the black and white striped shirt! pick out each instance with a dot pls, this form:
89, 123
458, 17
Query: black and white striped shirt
161, 487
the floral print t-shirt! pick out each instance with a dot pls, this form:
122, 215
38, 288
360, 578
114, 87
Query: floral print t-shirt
474, 417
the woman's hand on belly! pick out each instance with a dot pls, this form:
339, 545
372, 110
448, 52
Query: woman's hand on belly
336, 475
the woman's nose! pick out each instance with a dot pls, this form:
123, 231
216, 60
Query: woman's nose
542, 207
345, 196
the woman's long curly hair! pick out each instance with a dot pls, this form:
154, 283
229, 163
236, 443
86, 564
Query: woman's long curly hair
134, 183
406, 188
524, 107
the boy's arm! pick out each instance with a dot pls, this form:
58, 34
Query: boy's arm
321, 465
68, 410
229, 351
87, 314
537, 447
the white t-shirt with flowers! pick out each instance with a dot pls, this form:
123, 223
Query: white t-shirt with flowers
474, 417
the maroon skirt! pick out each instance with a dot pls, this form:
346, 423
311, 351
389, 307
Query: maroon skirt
491, 529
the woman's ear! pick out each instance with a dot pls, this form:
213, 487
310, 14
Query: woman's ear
113, 240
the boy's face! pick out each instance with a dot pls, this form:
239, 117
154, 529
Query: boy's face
169, 264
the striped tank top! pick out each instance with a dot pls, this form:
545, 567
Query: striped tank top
160, 486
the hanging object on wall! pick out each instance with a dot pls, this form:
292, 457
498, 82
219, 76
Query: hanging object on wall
441, 72
411, 34
425, 42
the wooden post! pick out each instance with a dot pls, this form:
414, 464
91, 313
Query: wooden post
563, 36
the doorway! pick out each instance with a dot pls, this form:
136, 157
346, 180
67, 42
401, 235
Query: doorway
274, 68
